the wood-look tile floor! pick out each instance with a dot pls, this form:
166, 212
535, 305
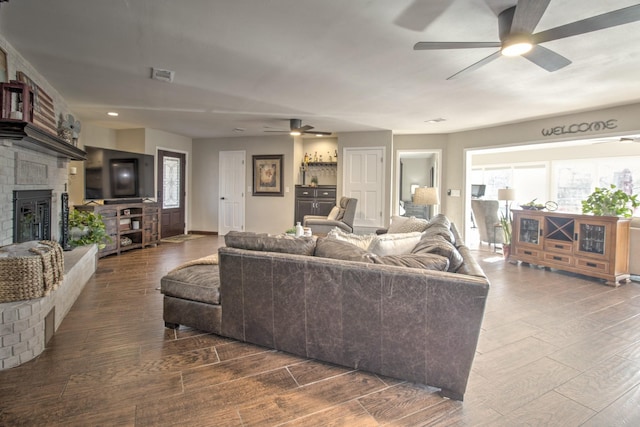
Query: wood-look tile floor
555, 349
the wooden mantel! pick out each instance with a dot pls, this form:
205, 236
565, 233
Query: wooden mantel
32, 137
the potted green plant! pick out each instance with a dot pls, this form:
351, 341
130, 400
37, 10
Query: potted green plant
610, 201
505, 223
86, 228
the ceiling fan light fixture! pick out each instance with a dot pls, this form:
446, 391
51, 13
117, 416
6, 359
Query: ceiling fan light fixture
295, 133
516, 45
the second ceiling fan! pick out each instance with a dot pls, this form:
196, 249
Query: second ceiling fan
296, 128
515, 30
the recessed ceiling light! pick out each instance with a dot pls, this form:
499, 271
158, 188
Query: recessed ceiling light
319, 134
438, 120
112, 114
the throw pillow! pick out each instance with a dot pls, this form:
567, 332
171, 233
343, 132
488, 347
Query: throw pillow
440, 246
334, 213
396, 222
394, 244
339, 249
361, 241
407, 225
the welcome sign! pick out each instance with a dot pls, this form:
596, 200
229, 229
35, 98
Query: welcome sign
595, 126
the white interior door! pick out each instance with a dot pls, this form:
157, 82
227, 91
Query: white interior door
231, 191
364, 180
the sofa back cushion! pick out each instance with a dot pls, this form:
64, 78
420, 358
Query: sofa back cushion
328, 247
424, 261
440, 225
304, 245
437, 244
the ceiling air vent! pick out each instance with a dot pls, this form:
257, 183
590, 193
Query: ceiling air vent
162, 75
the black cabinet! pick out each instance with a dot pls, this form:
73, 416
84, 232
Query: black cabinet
314, 201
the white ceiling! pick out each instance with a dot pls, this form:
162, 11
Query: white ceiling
339, 65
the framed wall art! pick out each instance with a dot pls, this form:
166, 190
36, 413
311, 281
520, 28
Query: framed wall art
267, 175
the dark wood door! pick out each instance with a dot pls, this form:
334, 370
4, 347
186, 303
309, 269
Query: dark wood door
171, 192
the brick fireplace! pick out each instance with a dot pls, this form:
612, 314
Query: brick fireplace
33, 178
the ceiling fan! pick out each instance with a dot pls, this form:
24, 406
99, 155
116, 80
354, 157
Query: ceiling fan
296, 128
515, 30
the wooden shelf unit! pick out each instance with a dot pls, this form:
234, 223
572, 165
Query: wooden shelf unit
596, 246
139, 222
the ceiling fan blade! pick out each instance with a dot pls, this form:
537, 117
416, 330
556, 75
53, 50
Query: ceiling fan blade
421, 13
595, 23
453, 45
305, 128
317, 132
527, 15
477, 65
547, 59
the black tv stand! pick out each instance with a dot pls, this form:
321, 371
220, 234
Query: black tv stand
120, 201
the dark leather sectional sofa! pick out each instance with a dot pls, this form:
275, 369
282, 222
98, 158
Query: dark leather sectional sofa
374, 314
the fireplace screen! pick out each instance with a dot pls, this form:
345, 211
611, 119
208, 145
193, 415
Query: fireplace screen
32, 215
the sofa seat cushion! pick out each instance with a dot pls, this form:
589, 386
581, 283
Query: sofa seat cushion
304, 245
425, 261
438, 245
196, 283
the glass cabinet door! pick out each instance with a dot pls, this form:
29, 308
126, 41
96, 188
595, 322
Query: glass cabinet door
529, 231
592, 238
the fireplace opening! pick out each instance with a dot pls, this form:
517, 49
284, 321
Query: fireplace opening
31, 215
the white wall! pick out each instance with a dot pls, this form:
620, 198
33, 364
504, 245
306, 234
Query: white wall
267, 214
526, 133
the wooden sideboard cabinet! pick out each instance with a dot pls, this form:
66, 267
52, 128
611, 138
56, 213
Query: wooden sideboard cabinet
130, 225
596, 246
314, 201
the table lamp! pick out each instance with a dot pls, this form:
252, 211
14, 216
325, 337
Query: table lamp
506, 194
426, 196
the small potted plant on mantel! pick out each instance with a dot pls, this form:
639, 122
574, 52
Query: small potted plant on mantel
610, 201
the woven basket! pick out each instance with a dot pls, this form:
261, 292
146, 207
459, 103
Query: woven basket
30, 270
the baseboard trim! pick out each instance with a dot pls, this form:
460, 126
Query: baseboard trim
212, 233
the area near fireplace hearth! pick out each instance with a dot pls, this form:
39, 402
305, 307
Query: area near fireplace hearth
34, 181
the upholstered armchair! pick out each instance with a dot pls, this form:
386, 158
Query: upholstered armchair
485, 213
341, 216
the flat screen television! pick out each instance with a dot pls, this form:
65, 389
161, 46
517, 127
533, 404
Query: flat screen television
113, 174
477, 190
